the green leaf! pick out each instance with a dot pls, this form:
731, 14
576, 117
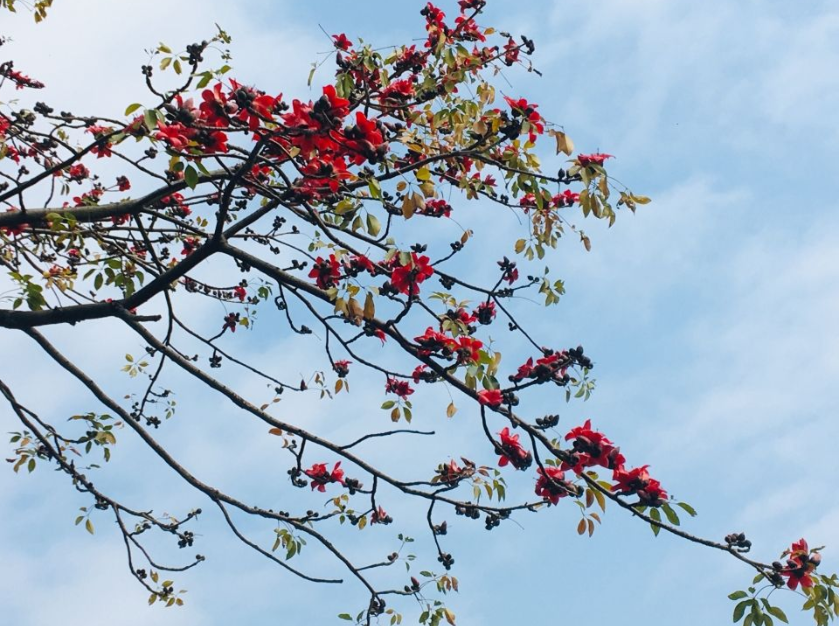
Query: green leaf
671, 514
740, 610
132, 107
150, 119
688, 508
737, 595
345, 616
191, 177
656, 516
374, 227
89, 526
777, 612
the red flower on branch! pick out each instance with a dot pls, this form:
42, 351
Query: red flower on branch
341, 42
491, 398
592, 448
321, 477
637, 481
342, 368
551, 484
512, 452
400, 388
801, 563
240, 293
405, 278
592, 159
326, 272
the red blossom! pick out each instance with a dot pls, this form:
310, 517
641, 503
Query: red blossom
565, 199
400, 388
326, 272
78, 172
176, 135
512, 452
638, 481
320, 476
123, 184
215, 107
485, 312
592, 159
490, 397
468, 350
190, 243
342, 368
551, 484
13, 231
592, 448
239, 292
406, 277
801, 563
341, 42
434, 341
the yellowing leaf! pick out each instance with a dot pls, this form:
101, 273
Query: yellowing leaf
563, 142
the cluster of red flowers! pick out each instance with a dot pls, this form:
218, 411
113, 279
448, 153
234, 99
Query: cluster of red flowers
527, 111
591, 448
20, 80
801, 563
321, 477
102, 147
552, 366
400, 388
176, 204
565, 199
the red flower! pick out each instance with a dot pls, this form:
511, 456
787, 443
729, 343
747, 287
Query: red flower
638, 481
78, 172
10, 231
566, 198
103, 146
485, 312
123, 184
512, 452
592, 448
320, 477
420, 374
434, 341
380, 334
468, 350
592, 159
342, 368
240, 293
552, 485
190, 243
216, 109
380, 516
523, 108
326, 272
491, 398
399, 387
176, 135
341, 42
511, 52
405, 278
800, 564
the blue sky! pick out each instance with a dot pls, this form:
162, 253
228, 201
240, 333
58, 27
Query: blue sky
711, 315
